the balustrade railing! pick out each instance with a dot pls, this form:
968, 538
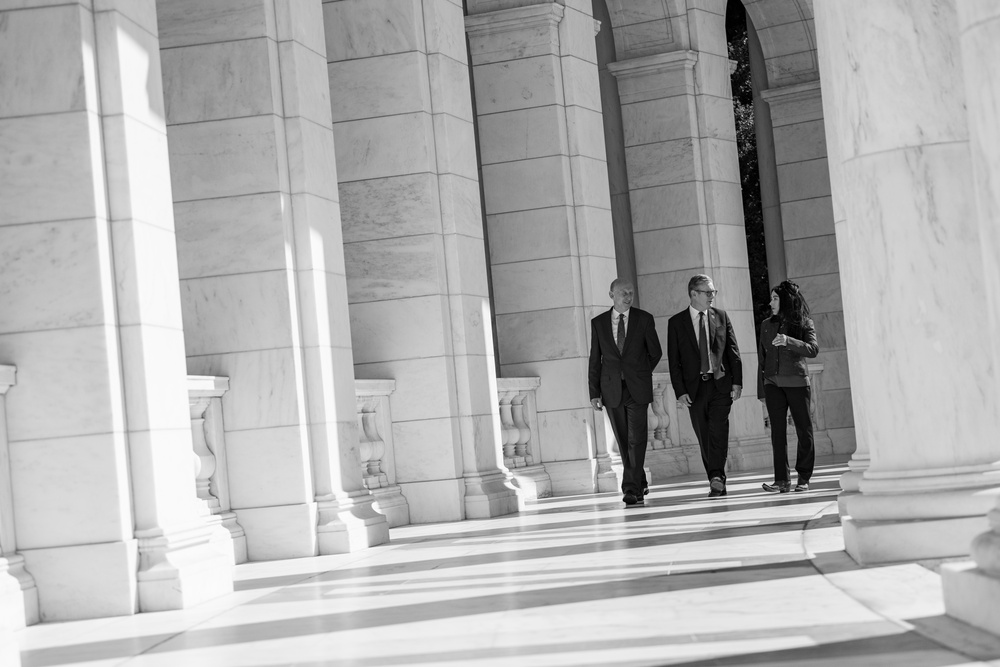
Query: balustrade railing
519, 433
210, 472
375, 449
821, 439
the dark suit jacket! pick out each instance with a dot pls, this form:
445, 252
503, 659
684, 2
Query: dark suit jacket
635, 363
685, 361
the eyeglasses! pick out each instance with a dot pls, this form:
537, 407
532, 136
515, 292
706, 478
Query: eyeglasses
710, 292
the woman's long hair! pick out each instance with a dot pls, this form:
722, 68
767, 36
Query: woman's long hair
792, 306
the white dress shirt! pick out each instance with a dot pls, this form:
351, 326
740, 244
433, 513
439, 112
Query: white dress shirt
614, 323
694, 320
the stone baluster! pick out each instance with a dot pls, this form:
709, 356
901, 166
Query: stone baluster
18, 593
519, 426
210, 472
664, 456
378, 457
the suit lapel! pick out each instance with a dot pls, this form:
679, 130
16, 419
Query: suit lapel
713, 325
691, 329
607, 325
630, 322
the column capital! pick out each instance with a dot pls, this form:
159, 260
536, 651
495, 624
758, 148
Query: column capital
520, 32
674, 71
796, 103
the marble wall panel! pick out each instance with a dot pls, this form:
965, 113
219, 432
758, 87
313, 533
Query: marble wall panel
812, 256
723, 203
523, 134
707, 30
528, 184
799, 142
365, 28
565, 431
461, 206
804, 180
712, 76
244, 224
71, 490
319, 239
580, 83
48, 73
838, 409
807, 217
642, 39
541, 334
150, 295
466, 261
477, 402
423, 386
731, 245
381, 147
305, 85
823, 293
333, 418
676, 205
590, 182
519, 84
444, 29
395, 268
665, 294
450, 90
324, 319
312, 164
130, 80
715, 117
73, 387
835, 369
576, 34
295, 21
76, 292
722, 164
383, 86
45, 154
236, 313
436, 500
472, 325
527, 235
585, 130
191, 22
245, 406
268, 466
594, 235
216, 81
830, 331
154, 378
382, 208
626, 12
671, 249
276, 533
225, 158
535, 285
385, 329
664, 163
135, 157
456, 146
425, 450
564, 382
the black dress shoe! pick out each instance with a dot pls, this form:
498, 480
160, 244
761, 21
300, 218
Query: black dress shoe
630, 498
645, 490
718, 488
777, 487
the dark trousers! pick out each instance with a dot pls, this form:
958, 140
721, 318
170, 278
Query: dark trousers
710, 419
628, 421
779, 401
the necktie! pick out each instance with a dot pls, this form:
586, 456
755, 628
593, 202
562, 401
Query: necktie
621, 333
703, 343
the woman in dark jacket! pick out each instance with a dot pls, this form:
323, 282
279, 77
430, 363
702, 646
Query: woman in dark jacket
787, 338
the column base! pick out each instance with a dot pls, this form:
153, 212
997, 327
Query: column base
390, 503
18, 594
971, 594
578, 476
84, 581
237, 535
609, 473
487, 496
276, 533
532, 482
666, 463
872, 542
181, 568
350, 524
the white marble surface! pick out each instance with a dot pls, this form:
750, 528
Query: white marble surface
382, 86
543, 334
527, 184
268, 467
683, 579
138, 171
396, 206
384, 146
527, 235
515, 284
385, 329
190, 22
428, 394
384, 26
304, 80
518, 84
425, 450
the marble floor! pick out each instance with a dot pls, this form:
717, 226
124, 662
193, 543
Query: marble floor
750, 579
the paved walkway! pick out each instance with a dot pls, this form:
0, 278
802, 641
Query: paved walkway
751, 579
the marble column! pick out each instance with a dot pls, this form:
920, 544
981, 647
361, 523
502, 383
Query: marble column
972, 590
684, 180
548, 211
928, 396
99, 436
413, 234
810, 242
262, 269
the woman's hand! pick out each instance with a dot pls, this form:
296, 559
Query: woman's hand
781, 340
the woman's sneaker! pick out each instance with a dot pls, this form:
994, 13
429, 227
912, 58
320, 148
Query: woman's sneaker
778, 487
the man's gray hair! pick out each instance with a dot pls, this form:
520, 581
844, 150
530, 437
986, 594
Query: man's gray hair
621, 281
697, 279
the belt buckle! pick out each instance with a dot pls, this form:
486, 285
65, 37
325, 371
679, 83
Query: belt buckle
705, 377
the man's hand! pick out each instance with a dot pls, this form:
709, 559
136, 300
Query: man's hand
596, 402
684, 401
735, 393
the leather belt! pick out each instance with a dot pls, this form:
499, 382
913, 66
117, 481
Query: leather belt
705, 377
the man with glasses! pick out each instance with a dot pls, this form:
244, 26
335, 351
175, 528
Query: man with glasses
707, 374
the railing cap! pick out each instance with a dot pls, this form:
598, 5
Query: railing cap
518, 384
200, 386
373, 387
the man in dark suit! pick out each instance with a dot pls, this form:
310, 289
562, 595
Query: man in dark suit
707, 374
624, 350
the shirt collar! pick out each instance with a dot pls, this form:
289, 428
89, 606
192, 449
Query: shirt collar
615, 313
695, 312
